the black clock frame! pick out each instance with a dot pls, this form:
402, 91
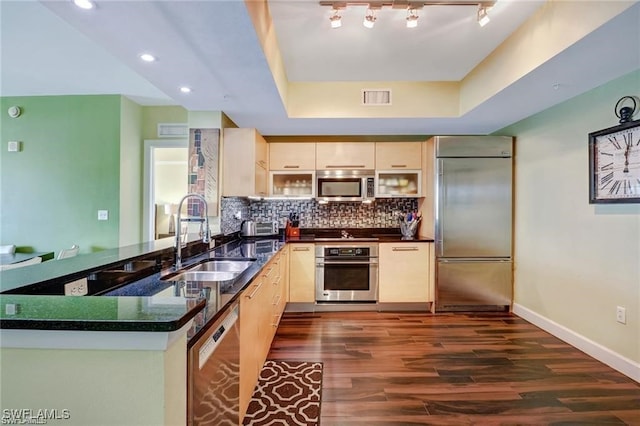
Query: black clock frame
592, 169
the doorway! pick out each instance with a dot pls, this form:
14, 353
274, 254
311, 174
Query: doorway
165, 183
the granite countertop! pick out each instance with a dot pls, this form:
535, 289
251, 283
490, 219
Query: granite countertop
216, 296
150, 304
381, 235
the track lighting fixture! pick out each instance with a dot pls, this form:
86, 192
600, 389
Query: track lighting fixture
369, 19
411, 6
412, 18
483, 16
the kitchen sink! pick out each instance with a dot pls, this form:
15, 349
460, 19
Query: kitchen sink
223, 265
213, 270
203, 276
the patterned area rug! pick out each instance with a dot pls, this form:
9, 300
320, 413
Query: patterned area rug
288, 393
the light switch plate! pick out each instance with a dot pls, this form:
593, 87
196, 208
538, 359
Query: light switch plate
103, 214
14, 146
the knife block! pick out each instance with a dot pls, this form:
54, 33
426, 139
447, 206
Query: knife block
291, 231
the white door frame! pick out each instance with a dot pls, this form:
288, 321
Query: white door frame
148, 213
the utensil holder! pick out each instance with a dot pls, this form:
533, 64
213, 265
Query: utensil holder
408, 229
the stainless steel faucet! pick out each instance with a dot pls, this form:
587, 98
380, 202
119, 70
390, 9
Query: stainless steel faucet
207, 232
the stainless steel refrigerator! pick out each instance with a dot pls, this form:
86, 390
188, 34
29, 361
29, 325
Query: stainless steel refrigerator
473, 220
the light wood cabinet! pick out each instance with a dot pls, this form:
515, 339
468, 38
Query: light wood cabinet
245, 163
302, 273
345, 155
404, 272
398, 155
426, 204
251, 302
261, 307
284, 276
292, 156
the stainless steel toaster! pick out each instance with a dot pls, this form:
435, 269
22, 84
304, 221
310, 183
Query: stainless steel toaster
250, 228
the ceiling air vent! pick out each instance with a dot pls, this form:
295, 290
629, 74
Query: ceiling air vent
173, 130
376, 97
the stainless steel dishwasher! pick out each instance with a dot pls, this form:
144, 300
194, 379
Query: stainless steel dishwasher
213, 368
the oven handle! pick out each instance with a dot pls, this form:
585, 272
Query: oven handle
345, 263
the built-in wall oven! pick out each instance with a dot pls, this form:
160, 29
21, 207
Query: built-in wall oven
347, 273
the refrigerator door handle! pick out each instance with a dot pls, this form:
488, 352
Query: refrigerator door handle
439, 217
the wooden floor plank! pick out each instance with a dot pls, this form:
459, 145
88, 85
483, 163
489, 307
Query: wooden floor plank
452, 369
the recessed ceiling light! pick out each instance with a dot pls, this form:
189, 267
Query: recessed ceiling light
147, 57
185, 89
84, 4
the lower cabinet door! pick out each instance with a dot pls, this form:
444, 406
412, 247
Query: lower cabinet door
403, 272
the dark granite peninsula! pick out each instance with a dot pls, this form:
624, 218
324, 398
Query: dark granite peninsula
119, 354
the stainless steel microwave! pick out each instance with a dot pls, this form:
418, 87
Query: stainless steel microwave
345, 185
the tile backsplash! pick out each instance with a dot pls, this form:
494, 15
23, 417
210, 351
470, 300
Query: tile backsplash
379, 214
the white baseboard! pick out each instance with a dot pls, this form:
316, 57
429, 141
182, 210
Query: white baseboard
614, 360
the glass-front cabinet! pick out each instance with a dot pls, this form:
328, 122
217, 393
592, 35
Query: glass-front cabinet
292, 184
396, 183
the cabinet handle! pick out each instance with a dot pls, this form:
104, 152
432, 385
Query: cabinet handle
276, 300
301, 249
404, 249
345, 166
250, 296
268, 273
277, 282
399, 166
291, 167
277, 320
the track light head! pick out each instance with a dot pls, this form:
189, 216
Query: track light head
335, 19
483, 16
369, 19
412, 18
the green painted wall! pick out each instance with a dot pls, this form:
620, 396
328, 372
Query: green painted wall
151, 116
575, 261
131, 165
68, 169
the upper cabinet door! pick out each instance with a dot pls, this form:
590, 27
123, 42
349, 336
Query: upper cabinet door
399, 155
262, 151
245, 166
292, 156
345, 155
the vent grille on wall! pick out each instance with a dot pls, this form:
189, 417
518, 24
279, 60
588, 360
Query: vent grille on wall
376, 97
173, 130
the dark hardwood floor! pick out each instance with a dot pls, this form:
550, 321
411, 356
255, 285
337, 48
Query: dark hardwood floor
452, 369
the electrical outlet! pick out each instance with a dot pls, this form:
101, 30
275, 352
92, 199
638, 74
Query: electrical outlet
103, 214
76, 288
621, 315
11, 309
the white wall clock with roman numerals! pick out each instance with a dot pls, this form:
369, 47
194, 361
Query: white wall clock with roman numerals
614, 164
